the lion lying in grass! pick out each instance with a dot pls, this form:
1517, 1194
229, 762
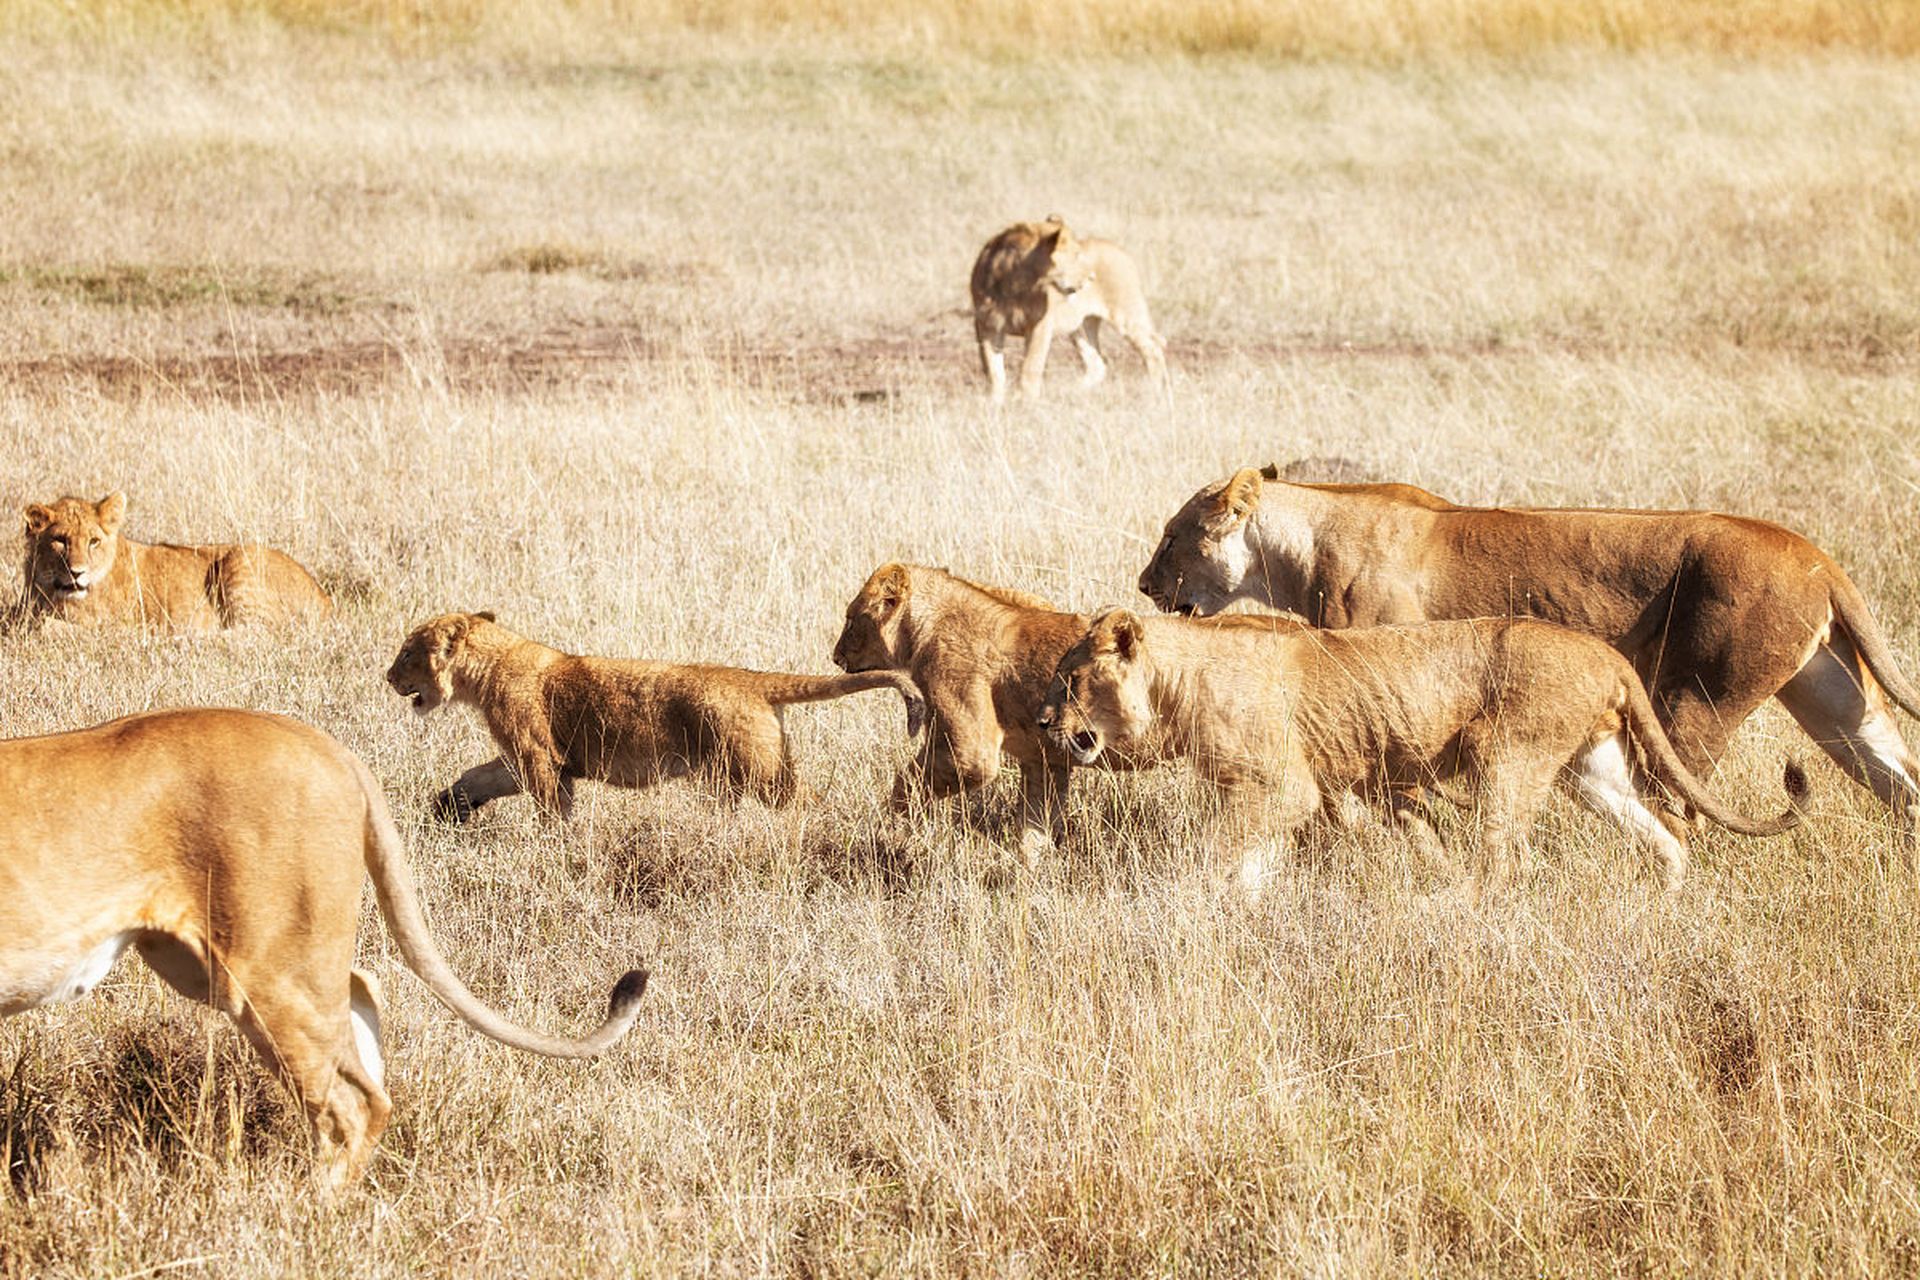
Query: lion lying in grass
81, 569
559, 717
229, 848
1286, 724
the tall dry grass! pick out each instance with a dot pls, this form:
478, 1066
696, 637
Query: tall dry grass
611, 349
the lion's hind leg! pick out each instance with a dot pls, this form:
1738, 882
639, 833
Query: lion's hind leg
312, 1040
327, 1051
1840, 706
1086, 340
1603, 779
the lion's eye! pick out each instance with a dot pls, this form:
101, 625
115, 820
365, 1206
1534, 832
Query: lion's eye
93, 542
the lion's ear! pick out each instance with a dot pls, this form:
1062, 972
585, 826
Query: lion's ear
111, 509
37, 518
1241, 494
892, 584
486, 615
1128, 635
1118, 631
1270, 472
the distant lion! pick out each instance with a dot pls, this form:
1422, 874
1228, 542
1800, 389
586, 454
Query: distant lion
1036, 279
229, 849
81, 569
559, 717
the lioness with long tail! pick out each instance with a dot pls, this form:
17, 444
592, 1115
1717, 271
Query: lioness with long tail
1286, 724
228, 848
1717, 613
560, 717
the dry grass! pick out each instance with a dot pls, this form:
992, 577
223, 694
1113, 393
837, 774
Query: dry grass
1374, 30
661, 357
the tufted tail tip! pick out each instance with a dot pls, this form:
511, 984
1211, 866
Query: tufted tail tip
627, 993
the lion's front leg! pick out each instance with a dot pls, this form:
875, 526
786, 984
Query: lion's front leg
478, 786
1033, 369
1259, 817
993, 362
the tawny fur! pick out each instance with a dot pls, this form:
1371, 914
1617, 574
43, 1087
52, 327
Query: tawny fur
1716, 612
1037, 280
1287, 724
982, 656
560, 717
229, 849
81, 569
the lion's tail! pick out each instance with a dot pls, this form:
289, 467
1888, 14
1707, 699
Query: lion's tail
1665, 764
1850, 609
780, 688
393, 885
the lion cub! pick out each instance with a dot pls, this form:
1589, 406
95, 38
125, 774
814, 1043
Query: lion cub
1036, 279
1285, 724
558, 717
80, 569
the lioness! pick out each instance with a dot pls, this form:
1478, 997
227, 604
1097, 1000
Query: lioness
1717, 613
228, 848
1036, 279
79, 568
983, 657
558, 717
1286, 724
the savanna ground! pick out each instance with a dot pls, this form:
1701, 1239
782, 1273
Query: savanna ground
655, 344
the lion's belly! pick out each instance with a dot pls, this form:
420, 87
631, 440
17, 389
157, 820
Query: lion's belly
52, 975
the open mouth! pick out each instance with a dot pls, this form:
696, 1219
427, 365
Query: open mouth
1184, 608
1085, 746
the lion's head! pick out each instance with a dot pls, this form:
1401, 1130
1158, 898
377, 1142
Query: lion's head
71, 544
1098, 697
1068, 265
1203, 555
870, 641
421, 671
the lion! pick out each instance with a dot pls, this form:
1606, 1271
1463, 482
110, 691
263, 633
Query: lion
1035, 279
1717, 613
1287, 724
228, 848
559, 717
80, 569
982, 656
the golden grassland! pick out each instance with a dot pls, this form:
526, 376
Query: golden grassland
659, 355
1374, 30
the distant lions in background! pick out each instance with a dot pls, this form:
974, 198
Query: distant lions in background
1037, 279
80, 568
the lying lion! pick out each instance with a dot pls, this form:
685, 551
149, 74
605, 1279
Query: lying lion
1286, 724
228, 848
1037, 279
558, 717
983, 657
80, 569
1717, 613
